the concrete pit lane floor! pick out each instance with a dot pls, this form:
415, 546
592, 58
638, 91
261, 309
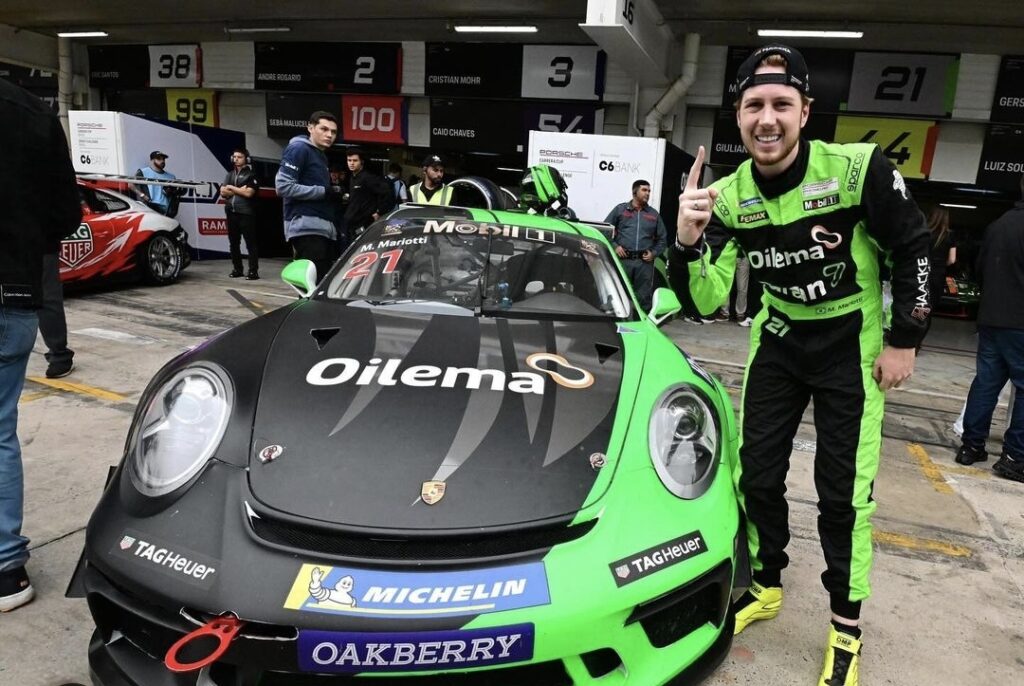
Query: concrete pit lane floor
948, 603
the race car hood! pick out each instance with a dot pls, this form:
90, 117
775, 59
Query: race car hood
408, 421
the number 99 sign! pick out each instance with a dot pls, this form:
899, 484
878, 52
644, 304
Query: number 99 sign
193, 106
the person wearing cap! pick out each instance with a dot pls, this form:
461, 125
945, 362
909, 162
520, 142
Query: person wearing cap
810, 217
432, 190
156, 196
639, 237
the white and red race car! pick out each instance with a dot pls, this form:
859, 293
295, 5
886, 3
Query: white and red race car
122, 236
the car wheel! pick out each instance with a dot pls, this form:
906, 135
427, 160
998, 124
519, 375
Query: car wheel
161, 261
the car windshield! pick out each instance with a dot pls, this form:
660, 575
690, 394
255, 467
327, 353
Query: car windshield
495, 269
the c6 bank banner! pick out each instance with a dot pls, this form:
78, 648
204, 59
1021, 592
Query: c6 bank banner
118, 144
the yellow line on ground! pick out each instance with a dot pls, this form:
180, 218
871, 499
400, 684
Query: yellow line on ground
29, 397
929, 469
925, 544
967, 471
79, 388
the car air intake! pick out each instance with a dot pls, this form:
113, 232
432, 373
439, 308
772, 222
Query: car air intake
669, 618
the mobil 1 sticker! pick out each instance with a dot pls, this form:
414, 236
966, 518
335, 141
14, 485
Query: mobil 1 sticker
175, 560
647, 562
343, 651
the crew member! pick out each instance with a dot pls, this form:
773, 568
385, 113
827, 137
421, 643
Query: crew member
808, 215
239, 193
639, 237
161, 198
432, 190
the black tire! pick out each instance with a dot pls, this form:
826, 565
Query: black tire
160, 260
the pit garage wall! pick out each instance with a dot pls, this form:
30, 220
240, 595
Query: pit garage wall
228, 72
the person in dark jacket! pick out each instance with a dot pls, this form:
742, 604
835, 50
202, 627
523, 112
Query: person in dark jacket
305, 185
639, 238
239, 193
370, 196
1000, 344
38, 206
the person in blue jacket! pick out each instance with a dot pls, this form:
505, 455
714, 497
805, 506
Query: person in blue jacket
639, 237
304, 183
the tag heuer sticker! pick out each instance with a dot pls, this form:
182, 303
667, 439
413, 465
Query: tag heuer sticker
659, 557
127, 542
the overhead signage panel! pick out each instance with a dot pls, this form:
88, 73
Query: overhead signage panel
175, 66
328, 67
118, 66
192, 106
1002, 159
1008, 103
903, 83
288, 115
476, 125
149, 103
474, 70
563, 72
373, 119
909, 144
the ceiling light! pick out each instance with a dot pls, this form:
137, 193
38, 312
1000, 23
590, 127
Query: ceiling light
465, 28
256, 29
962, 207
800, 33
82, 34
510, 169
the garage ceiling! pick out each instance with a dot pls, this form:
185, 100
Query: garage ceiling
989, 26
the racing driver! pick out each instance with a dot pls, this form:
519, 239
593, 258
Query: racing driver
810, 217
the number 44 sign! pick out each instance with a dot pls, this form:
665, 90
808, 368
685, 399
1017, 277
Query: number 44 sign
909, 144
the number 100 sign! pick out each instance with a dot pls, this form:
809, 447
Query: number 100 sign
373, 119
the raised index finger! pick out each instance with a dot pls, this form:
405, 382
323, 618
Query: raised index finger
698, 164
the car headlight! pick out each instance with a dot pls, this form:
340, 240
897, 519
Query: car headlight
180, 429
685, 439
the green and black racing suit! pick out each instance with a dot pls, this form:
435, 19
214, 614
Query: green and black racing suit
812, 236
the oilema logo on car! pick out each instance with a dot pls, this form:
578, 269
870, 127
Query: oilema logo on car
343, 651
350, 591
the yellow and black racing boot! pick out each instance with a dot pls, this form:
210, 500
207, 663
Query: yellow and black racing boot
757, 603
842, 659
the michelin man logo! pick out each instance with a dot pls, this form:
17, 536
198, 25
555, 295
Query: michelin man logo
340, 594
898, 184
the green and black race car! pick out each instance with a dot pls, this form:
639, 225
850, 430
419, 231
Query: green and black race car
464, 457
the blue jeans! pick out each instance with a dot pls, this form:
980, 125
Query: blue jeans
1000, 357
17, 336
641, 274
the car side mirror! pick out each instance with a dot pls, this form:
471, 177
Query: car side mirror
664, 304
300, 275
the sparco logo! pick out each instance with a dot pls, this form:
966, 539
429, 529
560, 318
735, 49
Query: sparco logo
339, 370
854, 179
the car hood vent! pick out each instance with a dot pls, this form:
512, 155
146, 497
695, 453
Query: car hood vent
415, 421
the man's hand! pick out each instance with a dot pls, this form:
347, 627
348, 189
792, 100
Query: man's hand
893, 366
695, 205
620, 251
648, 256
227, 191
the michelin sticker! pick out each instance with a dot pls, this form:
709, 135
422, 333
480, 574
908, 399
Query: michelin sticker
350, 591
343, 651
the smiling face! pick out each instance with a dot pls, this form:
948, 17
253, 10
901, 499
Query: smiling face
770, 117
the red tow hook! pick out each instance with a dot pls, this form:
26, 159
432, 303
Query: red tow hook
223, 629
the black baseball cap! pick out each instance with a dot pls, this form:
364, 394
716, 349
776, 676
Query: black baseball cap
157, 153
796, 74
433, 161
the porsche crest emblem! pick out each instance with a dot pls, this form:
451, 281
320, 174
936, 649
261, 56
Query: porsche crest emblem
432, 491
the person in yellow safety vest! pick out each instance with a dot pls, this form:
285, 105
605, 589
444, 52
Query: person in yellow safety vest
431, 190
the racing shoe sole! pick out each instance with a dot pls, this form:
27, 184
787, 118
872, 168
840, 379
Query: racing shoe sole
16, 600
766, 605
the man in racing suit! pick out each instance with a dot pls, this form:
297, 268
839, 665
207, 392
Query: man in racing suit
809, 216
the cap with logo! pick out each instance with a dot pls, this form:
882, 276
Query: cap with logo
796, 74
156, 153
432, 161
